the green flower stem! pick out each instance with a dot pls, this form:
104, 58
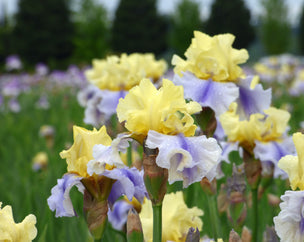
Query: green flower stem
254, 192
214, 218
157, 223
129, 155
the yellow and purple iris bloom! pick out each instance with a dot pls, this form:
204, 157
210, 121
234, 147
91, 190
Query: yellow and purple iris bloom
211, 76
161, 118
94, 157
264, 135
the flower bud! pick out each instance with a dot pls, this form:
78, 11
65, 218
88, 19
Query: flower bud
155, 177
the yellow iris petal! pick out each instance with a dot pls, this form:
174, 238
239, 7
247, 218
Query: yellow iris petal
212, 57
177, 218
81, 151
293, 165
145, 108
16, 232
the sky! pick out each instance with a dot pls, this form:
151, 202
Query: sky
168, 6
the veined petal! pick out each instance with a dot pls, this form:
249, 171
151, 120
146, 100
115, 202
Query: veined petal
129, 182
252, 98
289, 224
187, 159
273, 152
208, 93
60, 199
108, 155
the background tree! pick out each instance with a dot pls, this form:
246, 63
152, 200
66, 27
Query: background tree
185, 20
43, 31
231, 17
275, 29
137, 27
6, 46
91, 32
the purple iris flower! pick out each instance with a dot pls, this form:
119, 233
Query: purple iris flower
128, 181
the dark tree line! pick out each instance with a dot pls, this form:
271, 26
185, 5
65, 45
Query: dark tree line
50, 31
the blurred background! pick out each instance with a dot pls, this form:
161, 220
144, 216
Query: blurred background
61, 32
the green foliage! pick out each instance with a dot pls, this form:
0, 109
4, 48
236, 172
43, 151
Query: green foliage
137, 27
91, 32
231, 17
301, 32
185, 20
43, 31
275, 29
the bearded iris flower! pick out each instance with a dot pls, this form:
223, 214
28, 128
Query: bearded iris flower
110, 181
211, 76
264, 135
163, 119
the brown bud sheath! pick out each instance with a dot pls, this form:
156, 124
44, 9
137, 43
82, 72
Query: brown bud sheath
234, 237
134, 228
155, 177
253, 170
96, 214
